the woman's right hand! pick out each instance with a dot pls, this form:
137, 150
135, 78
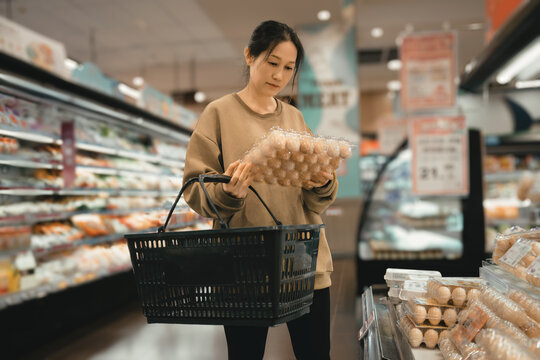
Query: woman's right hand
241, 178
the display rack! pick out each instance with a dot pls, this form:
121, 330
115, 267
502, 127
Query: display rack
128, 161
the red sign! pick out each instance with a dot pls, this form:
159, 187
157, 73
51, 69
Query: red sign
68, 153
428, 71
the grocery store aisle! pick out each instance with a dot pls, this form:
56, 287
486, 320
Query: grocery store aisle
125, 335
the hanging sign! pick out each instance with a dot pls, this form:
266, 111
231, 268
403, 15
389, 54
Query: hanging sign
439, 148
428, 71
68, 153
391, 133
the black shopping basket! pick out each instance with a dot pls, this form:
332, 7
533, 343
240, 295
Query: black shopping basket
258, 276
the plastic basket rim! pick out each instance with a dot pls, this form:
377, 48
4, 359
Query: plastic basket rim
235, 230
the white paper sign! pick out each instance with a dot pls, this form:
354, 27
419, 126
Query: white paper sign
439, 156
521, 248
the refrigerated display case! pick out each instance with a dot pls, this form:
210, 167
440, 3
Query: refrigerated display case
399, 229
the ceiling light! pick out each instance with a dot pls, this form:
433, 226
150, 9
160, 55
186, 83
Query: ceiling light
475, 26
377, 32
394, 85
199, 96
520, 62
394, 65
324, 15
527, 84
70, 64
470, 66
138, 81
128, 91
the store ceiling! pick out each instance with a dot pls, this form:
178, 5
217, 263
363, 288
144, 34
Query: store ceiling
183, 44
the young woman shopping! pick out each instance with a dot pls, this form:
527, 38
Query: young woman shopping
226, 129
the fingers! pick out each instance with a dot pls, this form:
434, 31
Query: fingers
319, 180
231, 168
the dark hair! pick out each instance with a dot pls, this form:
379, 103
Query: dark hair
268, 35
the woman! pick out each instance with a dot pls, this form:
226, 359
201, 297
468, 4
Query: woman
226, 129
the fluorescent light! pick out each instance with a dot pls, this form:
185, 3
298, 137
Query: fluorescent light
475, 26
527, 84
520, 62
131, 92
394, 85
199, 96
70, 64
394, 65
377, 32
138, 81
324, 15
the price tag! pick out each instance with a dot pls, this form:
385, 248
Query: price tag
464, 333
520, 248
367, 324
439, 156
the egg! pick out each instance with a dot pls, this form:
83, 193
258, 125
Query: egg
430, 338
302, 167
255, 156
319, 146
283, 154
287, 165
434, 315
296, 182
267, 149
459, 296
334, 162
419, 314
293, 143
415, 337
297, 157
443, 294
315, 168
277, 140
270, 179
306, 145
258, 177
311, 158
284, 182
280, 173
443, 334
323, 160
344, 150
333, 148
304, 175
472, 295
450, 316
274, 163
293, 175
520, 272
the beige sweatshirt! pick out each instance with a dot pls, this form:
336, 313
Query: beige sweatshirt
226, 129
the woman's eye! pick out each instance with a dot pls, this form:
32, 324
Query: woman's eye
288, 68
272, 63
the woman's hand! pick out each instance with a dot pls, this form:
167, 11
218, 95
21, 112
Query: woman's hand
320, 179
241, 179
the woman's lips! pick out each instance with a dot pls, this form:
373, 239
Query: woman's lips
272, 85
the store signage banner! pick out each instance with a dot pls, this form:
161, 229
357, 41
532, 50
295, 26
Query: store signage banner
440, 162
391, 133
428, 71
32, 47
328, 89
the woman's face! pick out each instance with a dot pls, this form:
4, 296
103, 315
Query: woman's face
269, 76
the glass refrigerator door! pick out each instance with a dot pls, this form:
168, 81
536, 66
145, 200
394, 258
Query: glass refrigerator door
400, 225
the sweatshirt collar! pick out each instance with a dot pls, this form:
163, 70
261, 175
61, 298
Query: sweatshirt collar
262, 116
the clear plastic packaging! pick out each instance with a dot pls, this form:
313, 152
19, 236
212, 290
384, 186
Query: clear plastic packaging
396, 277
530, 304
413, 289
429, 335
499, 347
424, 311
505, 240
294, 153
455, 290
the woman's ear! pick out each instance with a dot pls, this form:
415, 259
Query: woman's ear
248, 57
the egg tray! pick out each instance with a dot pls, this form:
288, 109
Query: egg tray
289, 158
427, 313
453, 291
428, 335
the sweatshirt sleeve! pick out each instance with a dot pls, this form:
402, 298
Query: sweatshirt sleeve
319, 199
204, 156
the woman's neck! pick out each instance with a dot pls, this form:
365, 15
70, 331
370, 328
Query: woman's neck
259, 104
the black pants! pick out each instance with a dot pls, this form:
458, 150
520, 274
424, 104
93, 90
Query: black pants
310, 334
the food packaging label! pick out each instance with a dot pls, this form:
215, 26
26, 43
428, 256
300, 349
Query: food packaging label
534, 268
465, 332
517, 252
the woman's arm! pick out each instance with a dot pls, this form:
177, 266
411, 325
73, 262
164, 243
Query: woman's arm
319, 199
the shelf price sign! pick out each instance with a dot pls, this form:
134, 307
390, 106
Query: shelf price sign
440, 163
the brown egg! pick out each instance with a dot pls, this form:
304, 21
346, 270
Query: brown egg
311, 158
302, 167
297, 157
304, 175
284, 182
320, 146
258, 177
293, 175
274, 163
434, 315
306, 145
315, 168
267, 149
280, 173
283, 154
443, 334
296, 182
287, 165
472, 295
277, 140
450, 316
430, 338
415, 337
323, 160
293, 143
443, 294
333, 148
270, 179
527, 260
344, 150
419, 314
334, 162
459, 296
255, 156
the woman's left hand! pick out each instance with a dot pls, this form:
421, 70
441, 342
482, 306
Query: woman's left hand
320, 179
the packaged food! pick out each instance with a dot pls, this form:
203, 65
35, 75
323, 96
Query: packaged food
292, 153
508, 238
430, 312
498, 346
412, 289
397, 277
429, 335
464, 332
527, 302
455, 289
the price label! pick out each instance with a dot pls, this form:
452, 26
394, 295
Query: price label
521, 248
439, 156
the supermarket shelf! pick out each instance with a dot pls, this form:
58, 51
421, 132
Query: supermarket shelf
29, 135
41, 252
30, 191
508, 222
504, 176
29, 162
28, 219
504, 282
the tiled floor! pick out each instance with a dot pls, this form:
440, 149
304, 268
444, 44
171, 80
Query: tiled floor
127, 336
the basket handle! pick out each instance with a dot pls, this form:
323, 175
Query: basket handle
212, 179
